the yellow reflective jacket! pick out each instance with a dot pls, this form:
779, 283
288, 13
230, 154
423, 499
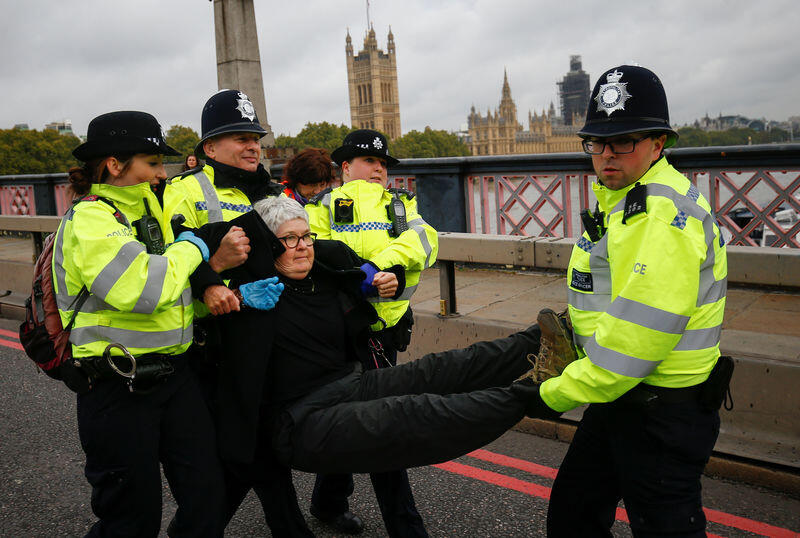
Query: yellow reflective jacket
368, 235
142, 301
195, 197
646, 301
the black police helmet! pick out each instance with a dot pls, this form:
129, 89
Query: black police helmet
361, 143
124, 132
628, 99
228, 111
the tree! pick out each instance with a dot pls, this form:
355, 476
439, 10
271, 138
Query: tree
183, 139
36, 152
694, 137
427, 144
315, 135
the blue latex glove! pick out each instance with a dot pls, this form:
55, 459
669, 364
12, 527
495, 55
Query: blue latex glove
196, 241
367, 289
262, 294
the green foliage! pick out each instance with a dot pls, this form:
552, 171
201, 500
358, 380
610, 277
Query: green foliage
36, 152
426, 144
692, 137
183, 139
315, 135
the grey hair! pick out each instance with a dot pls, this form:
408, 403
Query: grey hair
276, 210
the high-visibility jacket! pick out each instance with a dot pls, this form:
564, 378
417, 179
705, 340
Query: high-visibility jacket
142, 301
197, 198
646, 301
368, 235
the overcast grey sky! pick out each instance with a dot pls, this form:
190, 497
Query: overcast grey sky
76, 59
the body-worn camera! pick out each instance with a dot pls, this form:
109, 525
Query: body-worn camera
396, 212
343, 210
148, 232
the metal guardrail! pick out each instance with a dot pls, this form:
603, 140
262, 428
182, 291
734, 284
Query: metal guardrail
543, 194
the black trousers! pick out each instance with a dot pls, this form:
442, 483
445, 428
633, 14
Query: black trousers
427, 411
126, 437
392, 489
651, 457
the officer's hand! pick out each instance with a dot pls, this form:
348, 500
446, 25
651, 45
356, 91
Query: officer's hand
232, 251
220, 300
385, 283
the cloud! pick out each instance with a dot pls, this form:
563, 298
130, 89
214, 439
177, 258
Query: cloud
77, 60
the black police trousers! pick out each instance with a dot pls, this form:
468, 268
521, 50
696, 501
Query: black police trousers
128, 436
650, 456
434, 409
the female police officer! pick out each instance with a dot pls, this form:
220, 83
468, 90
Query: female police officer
138, 403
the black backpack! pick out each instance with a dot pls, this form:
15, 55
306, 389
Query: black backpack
42, 335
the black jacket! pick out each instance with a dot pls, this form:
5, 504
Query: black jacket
245, 337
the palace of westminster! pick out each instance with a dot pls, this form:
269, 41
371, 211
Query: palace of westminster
375, 104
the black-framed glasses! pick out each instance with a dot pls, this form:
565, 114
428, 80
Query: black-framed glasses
618, 146
292, 240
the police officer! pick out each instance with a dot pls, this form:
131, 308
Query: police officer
233, 179
646, 293
117, 271
384, 227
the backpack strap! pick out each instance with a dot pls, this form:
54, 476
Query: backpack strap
119, 215
79, 300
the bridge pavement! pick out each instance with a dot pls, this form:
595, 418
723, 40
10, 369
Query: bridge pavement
501, 490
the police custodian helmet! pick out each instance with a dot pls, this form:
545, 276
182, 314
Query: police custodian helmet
363, 143
228, 111
123, 133
628, 99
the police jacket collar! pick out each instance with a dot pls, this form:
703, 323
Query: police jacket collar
256, 185
608, 199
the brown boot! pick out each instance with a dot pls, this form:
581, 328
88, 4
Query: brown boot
556, 349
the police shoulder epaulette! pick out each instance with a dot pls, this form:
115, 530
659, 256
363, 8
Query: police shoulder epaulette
185, 173
317, 197
409, 194
635, 201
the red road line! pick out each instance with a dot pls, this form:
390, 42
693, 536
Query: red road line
514, 463
756, 527
495, 478
12, 334
9, 343
543, 492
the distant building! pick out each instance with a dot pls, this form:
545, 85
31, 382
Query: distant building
372, 82
574, 91
63, 127
500, 133
21, 127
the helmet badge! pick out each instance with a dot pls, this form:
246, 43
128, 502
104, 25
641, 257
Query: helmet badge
612, 96
245, 107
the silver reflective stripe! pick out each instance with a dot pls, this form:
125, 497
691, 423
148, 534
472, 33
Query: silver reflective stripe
588, 301
417, 226
210, 195
185, 298
647, 316
405, 296
598, 266
694, 339
113, 270
710, 289
326, 202
63, 299
580, 340
617, 362
156, 275
130, 338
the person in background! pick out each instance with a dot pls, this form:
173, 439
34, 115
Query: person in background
307, 174
190, 162
382, 226
117, 270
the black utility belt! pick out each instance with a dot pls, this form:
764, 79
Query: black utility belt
710, 394
142, 374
